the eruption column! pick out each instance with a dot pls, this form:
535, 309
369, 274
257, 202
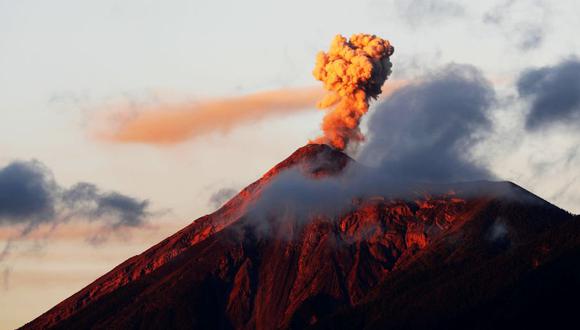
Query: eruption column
353, 72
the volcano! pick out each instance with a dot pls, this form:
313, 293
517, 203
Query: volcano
470, 255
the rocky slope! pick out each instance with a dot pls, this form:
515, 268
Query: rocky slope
229, 270
512, 266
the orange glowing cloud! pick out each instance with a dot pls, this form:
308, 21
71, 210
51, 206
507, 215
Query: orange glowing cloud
175, 123
168, 124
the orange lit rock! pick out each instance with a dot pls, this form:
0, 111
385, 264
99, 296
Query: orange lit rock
225, 271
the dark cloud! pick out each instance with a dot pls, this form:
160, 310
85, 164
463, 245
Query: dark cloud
29, 196
85, 199
554, 94
416, 12
221, 196
420, 140
427, 131
296, 195
27, 193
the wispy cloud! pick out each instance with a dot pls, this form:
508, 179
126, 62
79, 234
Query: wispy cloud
6, 278
221, 196
424, 12
522, 22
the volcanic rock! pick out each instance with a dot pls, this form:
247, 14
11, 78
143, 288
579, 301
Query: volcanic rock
453, 255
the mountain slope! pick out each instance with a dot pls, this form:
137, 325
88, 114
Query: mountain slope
526, 274
232, 269
317, 160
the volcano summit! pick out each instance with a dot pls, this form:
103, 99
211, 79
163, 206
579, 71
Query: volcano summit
470, 255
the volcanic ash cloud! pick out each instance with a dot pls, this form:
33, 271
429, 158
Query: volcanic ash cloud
353, 72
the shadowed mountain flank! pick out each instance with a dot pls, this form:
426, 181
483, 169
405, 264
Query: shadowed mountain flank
426, 255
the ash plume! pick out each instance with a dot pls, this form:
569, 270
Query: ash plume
428, 130
419, 140
167, 124
353, 72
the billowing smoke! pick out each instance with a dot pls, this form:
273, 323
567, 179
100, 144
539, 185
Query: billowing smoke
428, 131
353, 72
420, 141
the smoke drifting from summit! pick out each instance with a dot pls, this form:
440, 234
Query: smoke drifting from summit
353, 72
167, 124
428, 131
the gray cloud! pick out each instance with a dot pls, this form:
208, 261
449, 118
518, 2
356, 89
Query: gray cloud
221, 196
294, 192
417, 12
29, 196
86, 199
27, 193
427, 131
497, 14
296, 195
420, 140
531, 36
526, 31
554, 94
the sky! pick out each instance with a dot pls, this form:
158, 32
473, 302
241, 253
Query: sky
71, 69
